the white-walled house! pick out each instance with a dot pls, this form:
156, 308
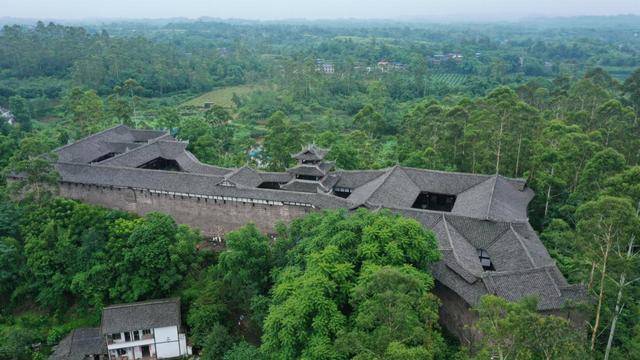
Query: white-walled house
144, 330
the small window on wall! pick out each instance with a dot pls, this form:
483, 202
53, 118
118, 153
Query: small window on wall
121, 352
136, 335
146, 332
116, 336
485, 260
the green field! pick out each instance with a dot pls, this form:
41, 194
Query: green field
449, 79
222, 96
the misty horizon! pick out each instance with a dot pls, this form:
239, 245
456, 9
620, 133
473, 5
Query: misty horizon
403, 10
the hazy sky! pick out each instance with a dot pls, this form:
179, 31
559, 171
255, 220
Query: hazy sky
311, 9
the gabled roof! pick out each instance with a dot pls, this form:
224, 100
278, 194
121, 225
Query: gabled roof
320, 169
94, 146
78, 344
140, 315
307, 186
167, 149
352, 179
522, 265
493, 199
391, 189
310, 153
245, 176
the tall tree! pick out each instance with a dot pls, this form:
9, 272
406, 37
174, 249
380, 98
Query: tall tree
605, 224
282, 140
515, 330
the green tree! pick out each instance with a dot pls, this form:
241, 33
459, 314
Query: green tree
32, 168
159, 254
605, 224
394, 313
370, 121
84, 109
323, 256
20, 109
515, 330
631, 88
282, 140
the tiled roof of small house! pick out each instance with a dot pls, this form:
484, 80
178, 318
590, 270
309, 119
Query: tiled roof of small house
310, 153
140, 315
489, 212
79, 344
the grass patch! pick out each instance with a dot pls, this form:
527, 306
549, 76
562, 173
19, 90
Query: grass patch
222, 96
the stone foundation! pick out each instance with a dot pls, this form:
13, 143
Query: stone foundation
456, 316
214, 218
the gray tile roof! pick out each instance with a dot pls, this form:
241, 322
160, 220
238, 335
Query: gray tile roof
310, 153
320, 169
78, 344
356, 178
245, 176
186, 183
171, 150
281, 177
489, 213
307, 186
141, 315
98, 144
392, 189
515, 250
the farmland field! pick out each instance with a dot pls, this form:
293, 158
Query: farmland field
449, 79
222, 96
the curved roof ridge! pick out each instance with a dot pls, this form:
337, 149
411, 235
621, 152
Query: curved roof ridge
150, 142
92, 136
375, 183
386, 177
518, 271
446, 230
493, 190
524, 247
461, 173
553, 281
120, 156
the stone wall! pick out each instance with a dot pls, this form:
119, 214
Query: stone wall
214, 218
456, 316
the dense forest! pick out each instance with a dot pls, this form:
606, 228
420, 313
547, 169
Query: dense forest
555, 102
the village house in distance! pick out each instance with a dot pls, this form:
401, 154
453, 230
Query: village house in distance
142, 330
481, 222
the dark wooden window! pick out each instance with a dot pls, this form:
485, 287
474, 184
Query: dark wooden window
307, 177
341, 192
270, 185
485, 260
434, 201
161, 163
104, 157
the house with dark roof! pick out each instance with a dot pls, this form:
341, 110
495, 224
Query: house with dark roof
141, 330
480, 221
81, 344
144, 330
